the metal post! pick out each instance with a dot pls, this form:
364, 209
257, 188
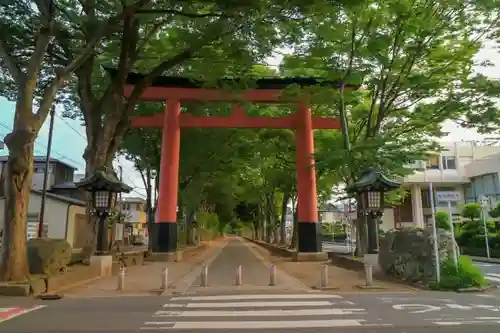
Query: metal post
238, 275
324, 276
46, 172
204, 276
121, 279
452, 228
272, 275
434, 234
486, 241
164, 279
368, 275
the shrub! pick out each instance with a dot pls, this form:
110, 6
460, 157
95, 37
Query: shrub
471, 211
442, 221
464, 275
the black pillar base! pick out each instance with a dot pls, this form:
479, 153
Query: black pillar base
164, 237
309, 235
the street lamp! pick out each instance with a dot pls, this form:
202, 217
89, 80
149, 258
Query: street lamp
103, 187
369, 191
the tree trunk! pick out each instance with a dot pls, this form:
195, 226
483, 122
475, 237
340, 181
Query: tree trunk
19, 168
284, 208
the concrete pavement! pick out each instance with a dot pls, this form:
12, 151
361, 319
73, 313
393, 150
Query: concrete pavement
255, 271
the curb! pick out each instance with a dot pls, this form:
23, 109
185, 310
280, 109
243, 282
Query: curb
374, 287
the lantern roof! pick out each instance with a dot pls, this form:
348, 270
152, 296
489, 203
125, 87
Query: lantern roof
373, 179
103, 180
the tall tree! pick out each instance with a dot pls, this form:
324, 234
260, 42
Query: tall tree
414, 56
31, 77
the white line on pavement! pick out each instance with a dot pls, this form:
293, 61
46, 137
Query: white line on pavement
246, 297
254, 324
492, 277
248, 304
22, 312
261, 313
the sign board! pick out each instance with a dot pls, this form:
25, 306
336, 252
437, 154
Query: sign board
448, 196
484, 200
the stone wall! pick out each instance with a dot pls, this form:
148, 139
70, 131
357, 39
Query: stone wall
407, 253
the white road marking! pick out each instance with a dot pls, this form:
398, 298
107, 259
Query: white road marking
254, 324
248, 304
21, 312
248, 297
427, 308
261, 313
492, 277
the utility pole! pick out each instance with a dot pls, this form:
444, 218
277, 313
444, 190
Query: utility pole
46, 172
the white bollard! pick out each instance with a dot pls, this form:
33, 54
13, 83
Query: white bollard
368, 275
204, 276
324, 276
238, 276
121, 279
272, 275
164, 279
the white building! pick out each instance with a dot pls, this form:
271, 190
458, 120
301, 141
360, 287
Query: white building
469, 168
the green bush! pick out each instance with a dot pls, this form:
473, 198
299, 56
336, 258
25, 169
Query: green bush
464, 275
443, 221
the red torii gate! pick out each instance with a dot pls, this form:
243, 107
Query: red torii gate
174, 90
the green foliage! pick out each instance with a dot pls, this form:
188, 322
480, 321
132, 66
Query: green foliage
443, 221
471, 211
463, 275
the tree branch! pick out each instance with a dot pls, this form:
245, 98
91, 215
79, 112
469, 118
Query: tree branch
11, 64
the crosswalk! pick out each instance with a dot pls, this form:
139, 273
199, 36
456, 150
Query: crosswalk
493, 277
258, 311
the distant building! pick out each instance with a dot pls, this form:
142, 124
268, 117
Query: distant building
468, 168
134, 210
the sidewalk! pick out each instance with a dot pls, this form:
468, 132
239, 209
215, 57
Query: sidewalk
255, 271
146, 280
339, 279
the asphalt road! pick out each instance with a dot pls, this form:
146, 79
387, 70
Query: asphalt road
261, 312
491, 271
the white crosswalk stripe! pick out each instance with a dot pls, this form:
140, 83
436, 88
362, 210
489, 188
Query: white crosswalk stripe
256, 311
494, 277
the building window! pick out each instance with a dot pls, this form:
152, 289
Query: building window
433, 162
41, 168
449, 162
126, 206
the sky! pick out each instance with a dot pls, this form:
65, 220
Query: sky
69, 138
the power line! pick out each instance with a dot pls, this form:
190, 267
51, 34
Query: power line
62, 156
71, 127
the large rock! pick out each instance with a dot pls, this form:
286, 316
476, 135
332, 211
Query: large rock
48, 256
408, 253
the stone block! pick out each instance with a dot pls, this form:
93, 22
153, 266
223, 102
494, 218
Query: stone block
48, 256
14, 289
408, 253
38, 286
102, 264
